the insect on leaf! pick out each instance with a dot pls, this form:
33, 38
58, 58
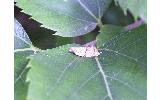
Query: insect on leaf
85, 51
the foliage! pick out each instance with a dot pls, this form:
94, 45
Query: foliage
22, 45
118, 73
137, 7
68, 17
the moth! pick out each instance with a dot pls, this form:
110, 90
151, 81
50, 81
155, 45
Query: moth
85, 51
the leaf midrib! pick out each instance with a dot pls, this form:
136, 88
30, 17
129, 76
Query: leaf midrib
109, 94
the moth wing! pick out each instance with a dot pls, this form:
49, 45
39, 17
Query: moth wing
79, 51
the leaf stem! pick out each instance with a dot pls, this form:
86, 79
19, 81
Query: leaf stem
100, 24
134, 25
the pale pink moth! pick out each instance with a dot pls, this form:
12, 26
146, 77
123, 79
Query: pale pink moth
85, 51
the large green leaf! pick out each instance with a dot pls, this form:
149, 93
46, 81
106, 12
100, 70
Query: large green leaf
137, 7
118, 73
68, 17
22, 50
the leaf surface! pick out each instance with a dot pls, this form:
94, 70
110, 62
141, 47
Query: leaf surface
68, 17
118, 73
22, 50
137, 7
115, 16
21, 39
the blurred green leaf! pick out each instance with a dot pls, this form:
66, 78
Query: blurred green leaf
21, 39
68, 17
115, 16
22, 49
137, 7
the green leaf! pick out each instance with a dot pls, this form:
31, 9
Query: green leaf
116, 16
22, 50
21, 39
118, 73
137, 7
107, 32
68, 17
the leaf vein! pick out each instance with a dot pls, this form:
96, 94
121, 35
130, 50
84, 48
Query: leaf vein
60, 77
104, 77
86, 9
124, 55
84, 83
126, 84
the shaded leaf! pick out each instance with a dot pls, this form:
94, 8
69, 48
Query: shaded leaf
119, 73
115, 15
22, 50
137, 7
68, 17
21, 39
